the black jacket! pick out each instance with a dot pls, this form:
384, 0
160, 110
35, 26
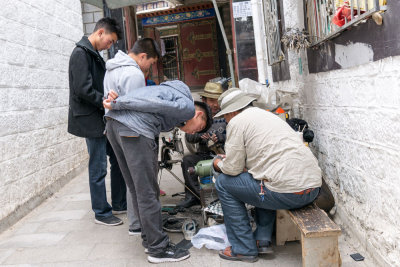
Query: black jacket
218, 128
86, 73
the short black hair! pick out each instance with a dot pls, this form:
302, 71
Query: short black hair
110, 25
207, 114
148, 46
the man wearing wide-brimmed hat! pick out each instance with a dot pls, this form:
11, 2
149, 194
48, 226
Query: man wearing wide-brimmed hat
266, 165
207, 142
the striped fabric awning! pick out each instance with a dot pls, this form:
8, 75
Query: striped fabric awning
112, 4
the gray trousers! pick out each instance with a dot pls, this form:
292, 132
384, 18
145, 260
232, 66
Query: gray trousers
133, 219
137, 158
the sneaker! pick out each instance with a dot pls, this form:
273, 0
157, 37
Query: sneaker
135, 231
170, 254
146, 250
110, 220
264, 247
117, 212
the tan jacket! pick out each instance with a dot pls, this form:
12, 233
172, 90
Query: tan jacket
270, 150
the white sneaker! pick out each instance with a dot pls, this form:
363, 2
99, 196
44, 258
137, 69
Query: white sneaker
135, 231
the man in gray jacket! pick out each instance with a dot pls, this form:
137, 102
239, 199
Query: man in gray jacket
125, 72
134, 118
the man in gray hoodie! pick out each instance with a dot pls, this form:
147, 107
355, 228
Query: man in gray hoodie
134, 117
125, 72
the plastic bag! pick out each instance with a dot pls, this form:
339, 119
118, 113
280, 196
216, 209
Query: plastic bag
213, 237
266, 96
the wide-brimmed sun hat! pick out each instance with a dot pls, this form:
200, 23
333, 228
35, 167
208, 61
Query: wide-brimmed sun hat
233, 100
212, 90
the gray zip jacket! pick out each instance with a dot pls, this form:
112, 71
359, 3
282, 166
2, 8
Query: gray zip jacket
146, 110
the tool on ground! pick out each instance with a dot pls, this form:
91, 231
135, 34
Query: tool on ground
174, 224
189, 229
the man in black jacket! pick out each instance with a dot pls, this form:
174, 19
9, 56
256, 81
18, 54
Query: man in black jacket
209, 144
85, 118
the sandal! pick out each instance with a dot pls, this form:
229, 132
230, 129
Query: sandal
227, 254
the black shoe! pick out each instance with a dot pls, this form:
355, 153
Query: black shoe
135, 231
188, 202
170, 254
110, 220
264, 247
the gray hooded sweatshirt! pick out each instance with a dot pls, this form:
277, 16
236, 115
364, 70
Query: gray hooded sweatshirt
146, 110
123, 74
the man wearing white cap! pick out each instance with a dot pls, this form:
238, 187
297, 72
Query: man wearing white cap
266, 165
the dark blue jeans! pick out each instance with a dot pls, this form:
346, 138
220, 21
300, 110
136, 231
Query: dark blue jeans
235, 191
98, 149
118, 186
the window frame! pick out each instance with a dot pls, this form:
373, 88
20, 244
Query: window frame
322, 16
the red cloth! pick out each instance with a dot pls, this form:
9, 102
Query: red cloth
342, 13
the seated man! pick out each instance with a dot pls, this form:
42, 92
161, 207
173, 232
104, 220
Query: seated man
216, 134
133, 120
267, 166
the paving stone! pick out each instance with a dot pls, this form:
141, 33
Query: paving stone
61, 215
77, 197
74, 205
98, 263
100, 234
118, 251
28, 228
32, 240
4, 254
65, 226
49, 254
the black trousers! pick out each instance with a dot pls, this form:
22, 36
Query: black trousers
192, 180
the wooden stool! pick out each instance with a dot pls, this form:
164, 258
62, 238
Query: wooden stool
318, 234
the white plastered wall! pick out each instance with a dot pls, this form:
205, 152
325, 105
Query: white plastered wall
37, 155
355, 114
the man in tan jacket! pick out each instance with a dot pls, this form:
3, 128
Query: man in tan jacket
266, 165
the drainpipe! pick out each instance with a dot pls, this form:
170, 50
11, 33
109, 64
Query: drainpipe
259, 40
107, 13
228, 50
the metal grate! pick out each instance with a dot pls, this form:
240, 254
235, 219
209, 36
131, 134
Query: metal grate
170, 60
271, 15
320, 15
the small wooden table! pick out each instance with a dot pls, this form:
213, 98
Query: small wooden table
317, 232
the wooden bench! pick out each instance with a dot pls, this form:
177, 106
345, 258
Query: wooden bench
317, 232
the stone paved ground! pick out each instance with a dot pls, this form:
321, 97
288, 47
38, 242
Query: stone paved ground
62, 232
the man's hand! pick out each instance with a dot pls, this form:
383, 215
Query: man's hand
214, 138
112, 95
107, 104
219, 158
205, 136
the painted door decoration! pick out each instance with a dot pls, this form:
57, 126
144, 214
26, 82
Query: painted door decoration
156, 71
199, 50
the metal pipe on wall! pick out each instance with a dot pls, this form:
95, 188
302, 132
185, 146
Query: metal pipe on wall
256, 8
228, 50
